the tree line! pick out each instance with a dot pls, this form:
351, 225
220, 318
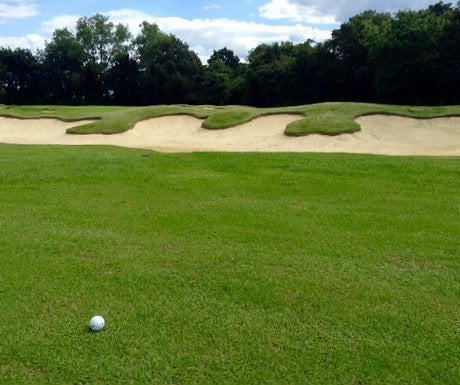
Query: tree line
411, 57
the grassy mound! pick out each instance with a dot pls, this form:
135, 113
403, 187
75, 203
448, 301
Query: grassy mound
339, 118
229, 118
323, 118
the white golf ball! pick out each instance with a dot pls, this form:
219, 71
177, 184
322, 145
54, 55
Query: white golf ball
96, 323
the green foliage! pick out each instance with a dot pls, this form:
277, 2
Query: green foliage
350, 43
224, 59
269, 75
124, 78
227, 268
223, 78
77, 64
103, 44
101, 39
19, 76
63, 62
171, 72
405, 55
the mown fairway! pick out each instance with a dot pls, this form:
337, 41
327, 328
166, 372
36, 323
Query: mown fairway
228, 268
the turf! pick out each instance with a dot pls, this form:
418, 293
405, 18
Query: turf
339, 118
109, 119
227, 268
323, 118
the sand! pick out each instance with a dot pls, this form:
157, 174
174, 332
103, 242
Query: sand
385, 135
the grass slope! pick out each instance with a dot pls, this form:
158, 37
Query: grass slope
323, 118
227, 268
339, 118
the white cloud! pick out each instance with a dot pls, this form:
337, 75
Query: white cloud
285, 9
59, 22
238, 36
205, 35
31, 41
342, 10
202, 35
210, 7
130, 17
17, 9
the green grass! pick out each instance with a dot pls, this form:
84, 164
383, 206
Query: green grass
230, 117
339, 118
227, 268
110, 119
323, 118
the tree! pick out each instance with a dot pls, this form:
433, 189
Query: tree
269, 74
20, 77
316, 73
449, 46
350, 46
63, 62
440, 9
170, 71
407, 58
123, 81
411, 58
223, 83
224, 58
103, 43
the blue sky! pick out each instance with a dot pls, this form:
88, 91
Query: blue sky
205, 25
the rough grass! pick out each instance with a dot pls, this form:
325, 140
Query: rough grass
227, 268
323, 118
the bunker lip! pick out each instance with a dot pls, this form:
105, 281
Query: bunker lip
380, 134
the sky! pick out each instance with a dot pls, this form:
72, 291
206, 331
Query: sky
205, 25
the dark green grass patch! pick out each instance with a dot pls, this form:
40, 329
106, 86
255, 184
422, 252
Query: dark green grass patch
227, 268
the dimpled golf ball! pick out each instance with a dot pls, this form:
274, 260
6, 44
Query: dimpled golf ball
96, 323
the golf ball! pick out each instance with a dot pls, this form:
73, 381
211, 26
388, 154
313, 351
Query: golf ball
96, 323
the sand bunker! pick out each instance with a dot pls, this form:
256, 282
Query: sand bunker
386, 135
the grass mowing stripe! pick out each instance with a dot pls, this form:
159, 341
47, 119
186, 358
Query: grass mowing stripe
227, 268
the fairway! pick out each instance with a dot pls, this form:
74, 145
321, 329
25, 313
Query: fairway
214, 268
229, 193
